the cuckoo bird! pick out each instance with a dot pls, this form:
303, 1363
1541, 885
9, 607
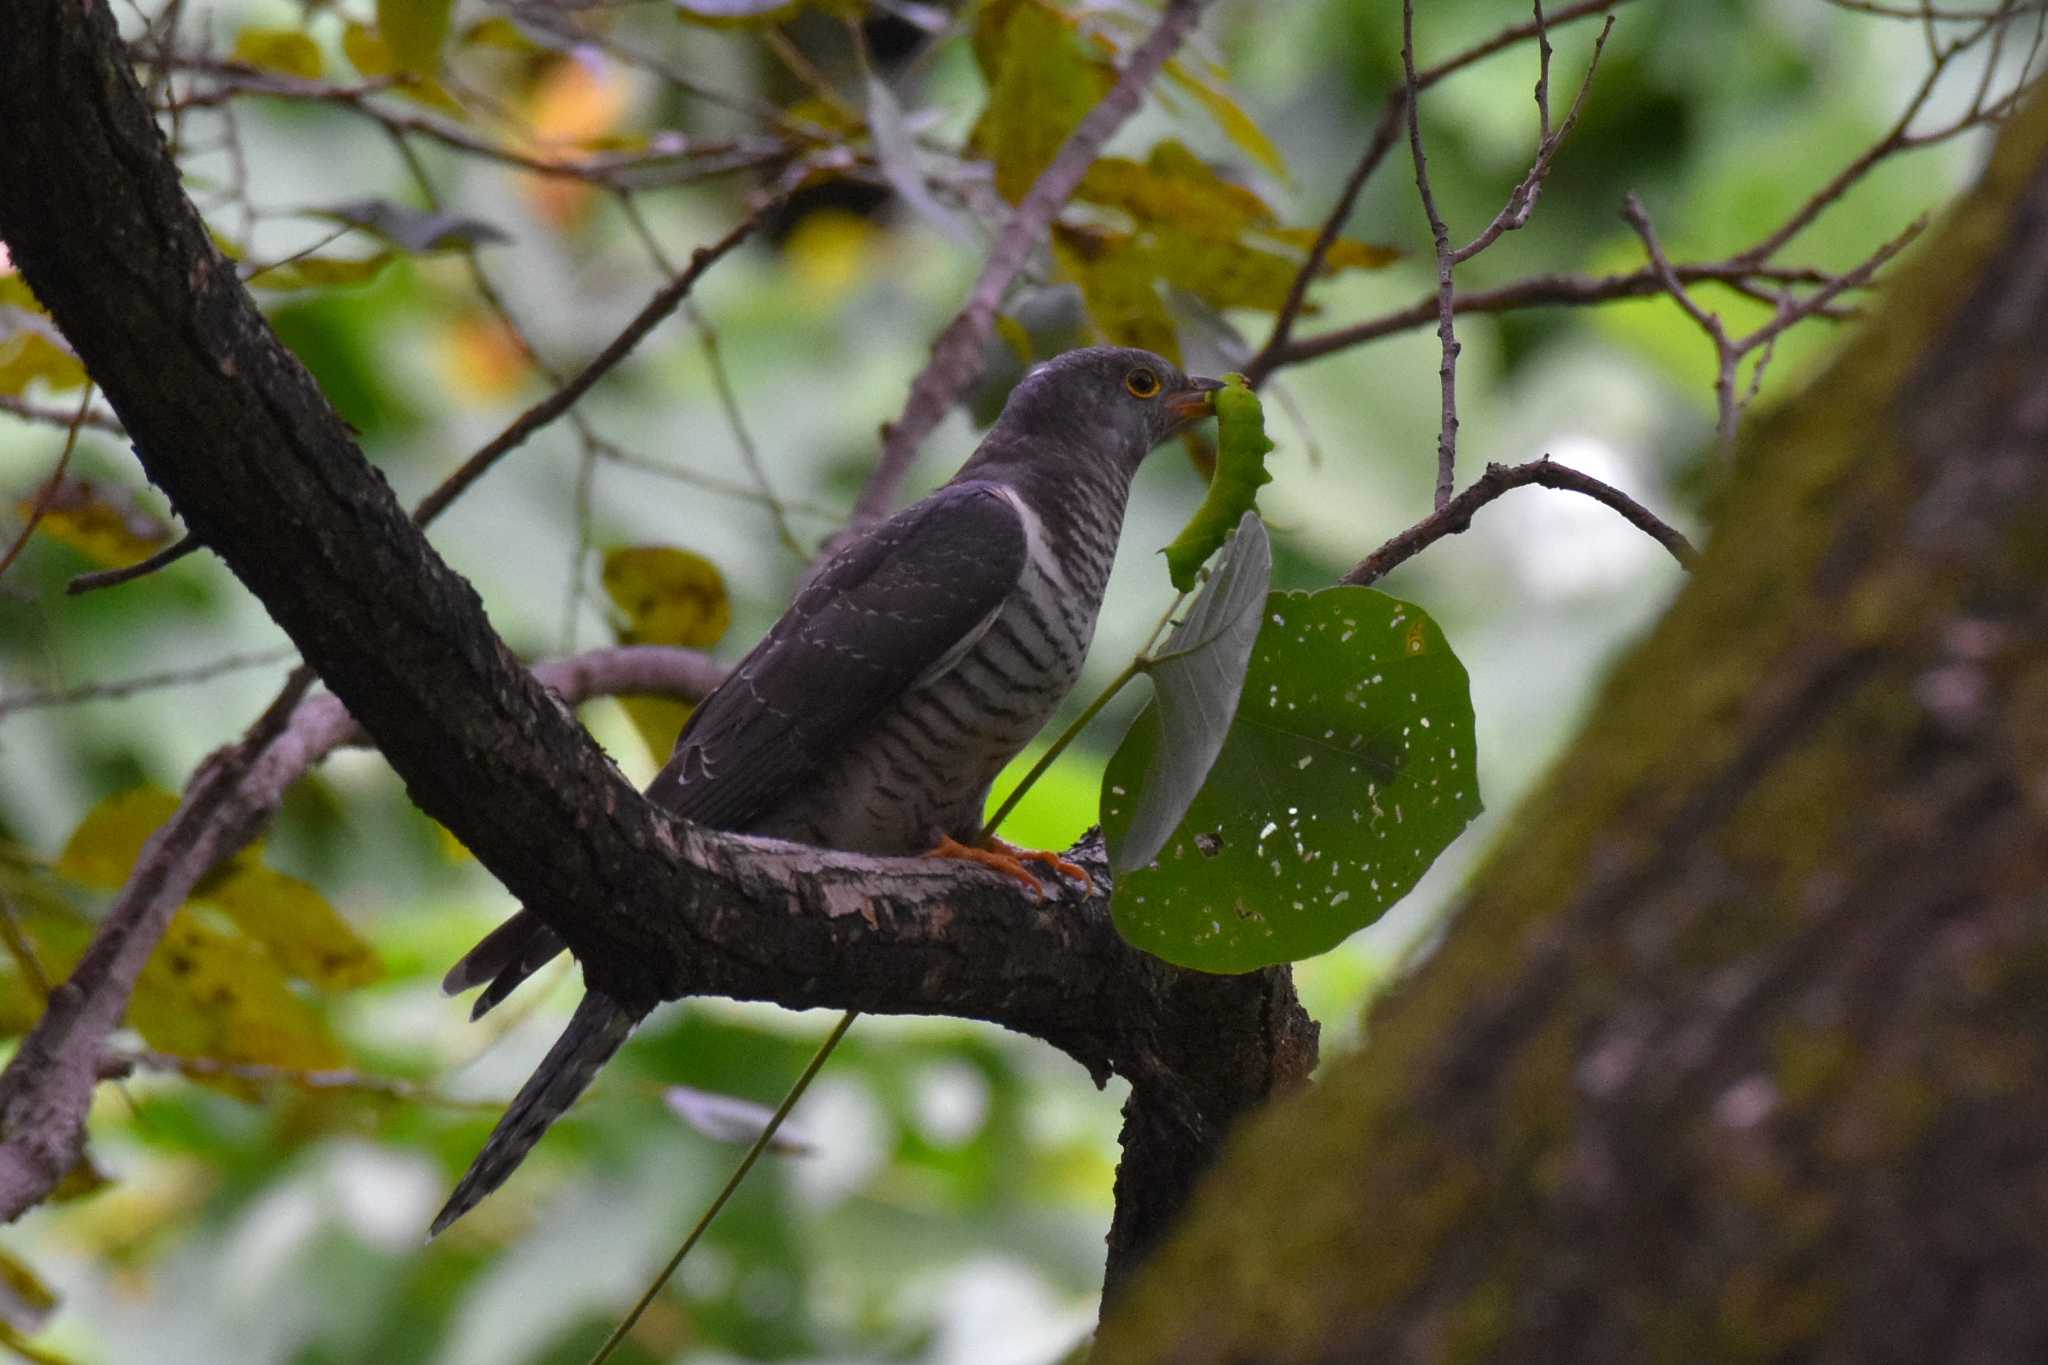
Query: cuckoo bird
915, 664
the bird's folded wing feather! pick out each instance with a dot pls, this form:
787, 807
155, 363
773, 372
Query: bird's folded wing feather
891, 610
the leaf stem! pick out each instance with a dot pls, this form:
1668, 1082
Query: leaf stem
1067, 736
732, 1183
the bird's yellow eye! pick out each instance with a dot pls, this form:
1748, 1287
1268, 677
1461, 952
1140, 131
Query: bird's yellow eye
1142, 383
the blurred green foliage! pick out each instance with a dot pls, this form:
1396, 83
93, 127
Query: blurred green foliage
953, 1203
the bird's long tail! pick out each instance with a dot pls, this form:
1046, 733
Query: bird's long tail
599, 1025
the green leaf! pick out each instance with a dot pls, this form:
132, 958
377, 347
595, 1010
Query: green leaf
414, 31
1118, 284
1041, 84
416, 230
1241, 450
284, 50
1197, 679
1348, 769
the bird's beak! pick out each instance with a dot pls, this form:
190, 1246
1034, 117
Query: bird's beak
1196, 401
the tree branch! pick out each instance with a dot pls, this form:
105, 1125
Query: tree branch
956, 355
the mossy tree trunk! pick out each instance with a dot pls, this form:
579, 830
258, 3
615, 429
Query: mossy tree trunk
1738, 1049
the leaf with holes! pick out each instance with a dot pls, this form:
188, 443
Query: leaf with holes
1348, 768
1196, 678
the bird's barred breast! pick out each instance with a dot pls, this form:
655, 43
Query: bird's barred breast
926, 766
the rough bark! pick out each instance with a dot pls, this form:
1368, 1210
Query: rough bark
265, 475
1738, 1048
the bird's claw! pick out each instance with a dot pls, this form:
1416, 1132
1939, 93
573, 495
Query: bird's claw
1008, 859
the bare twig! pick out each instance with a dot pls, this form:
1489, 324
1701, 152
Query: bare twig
260, 1073
956, 355
1440, 235
58, 417
146, 682
52, 484
1513, 215
555, 404
1384, 132
128, 573
1455, 516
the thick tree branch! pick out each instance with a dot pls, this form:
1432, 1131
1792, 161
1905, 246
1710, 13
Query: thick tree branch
265, 474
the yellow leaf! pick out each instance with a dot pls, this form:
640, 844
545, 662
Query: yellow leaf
1174, 188
657, 720
25, 1301
305, 935
19, 1344
830, 252
207, 993
110, 838
28, 355
314, 272
501, 33
1230, 117
669, 596
110, 530
15, 293
414, 31
1041, 84
367, 51
284, 50
1118, 283
1346, 253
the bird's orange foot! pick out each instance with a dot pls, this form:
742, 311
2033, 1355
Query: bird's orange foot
1045, 856
1001, 859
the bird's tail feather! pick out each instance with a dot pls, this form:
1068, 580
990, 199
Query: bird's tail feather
510, 953
599, 1025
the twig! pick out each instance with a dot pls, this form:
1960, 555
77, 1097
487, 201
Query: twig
957, 354
47, 1087
146, 682
1513, 215
58, 417
555, 404
128, 573
1547, 291
732, 1182
1456, 515
1384, 132
52, 484
262, 1073
1440, 235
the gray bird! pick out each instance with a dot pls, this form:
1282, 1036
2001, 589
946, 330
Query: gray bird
919, 660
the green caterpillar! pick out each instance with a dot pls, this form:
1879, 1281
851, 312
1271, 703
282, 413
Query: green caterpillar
1241, 449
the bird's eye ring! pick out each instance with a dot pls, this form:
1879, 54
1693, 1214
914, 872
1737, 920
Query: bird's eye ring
1142, 383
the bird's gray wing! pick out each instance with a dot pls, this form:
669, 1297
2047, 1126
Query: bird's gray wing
892, 609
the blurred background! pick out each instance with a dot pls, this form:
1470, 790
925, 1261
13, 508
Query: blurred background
952, 1191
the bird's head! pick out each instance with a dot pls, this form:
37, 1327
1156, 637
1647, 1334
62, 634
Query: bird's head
1114, 402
